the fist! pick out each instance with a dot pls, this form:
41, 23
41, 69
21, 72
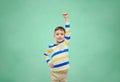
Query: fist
51, 65
65, 15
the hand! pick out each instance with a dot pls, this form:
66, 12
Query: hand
51, 65
65, 15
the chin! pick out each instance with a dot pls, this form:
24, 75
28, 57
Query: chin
59, 41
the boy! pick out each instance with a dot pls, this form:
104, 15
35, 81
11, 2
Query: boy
58, 60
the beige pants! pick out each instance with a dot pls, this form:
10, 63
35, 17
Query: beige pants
60, 76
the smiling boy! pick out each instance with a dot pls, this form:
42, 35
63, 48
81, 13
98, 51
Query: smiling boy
57, 54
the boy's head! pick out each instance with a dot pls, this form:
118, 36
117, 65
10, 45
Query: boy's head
59, 34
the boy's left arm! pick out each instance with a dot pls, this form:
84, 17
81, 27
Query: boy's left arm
67, 26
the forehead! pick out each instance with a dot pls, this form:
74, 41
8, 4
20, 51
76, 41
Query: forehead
59, 31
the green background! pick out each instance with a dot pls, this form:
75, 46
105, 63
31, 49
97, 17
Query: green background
26, 29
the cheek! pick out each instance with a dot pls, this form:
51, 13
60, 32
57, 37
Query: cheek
55, 36
63, 36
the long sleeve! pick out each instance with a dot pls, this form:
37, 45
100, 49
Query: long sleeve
67, 29
46, 55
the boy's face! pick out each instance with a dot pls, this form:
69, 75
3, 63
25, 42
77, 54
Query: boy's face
59, 35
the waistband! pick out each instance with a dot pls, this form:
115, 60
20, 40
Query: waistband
60, 71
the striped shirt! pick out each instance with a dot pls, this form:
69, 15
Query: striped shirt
58, 53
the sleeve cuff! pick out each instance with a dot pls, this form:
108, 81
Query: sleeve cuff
67, 23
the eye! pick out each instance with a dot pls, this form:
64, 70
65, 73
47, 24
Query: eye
57, 33
62, 34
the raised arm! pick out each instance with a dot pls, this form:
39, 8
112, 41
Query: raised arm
67, 26
65, 15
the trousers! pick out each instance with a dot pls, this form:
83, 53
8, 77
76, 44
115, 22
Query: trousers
59, 76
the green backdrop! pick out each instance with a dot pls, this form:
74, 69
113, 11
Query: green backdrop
26, 29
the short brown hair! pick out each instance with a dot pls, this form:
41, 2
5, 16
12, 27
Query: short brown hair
59, 28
